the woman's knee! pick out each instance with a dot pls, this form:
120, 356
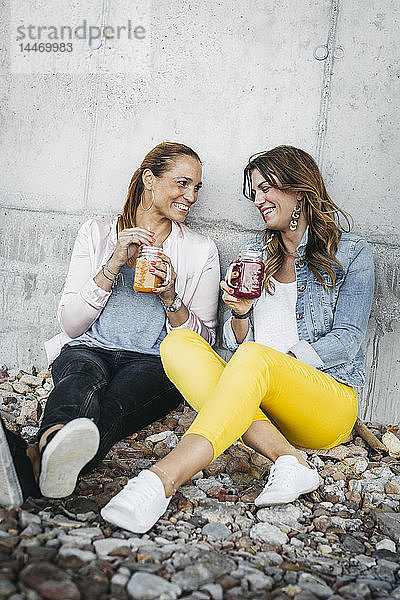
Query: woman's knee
249, 352
83, 362
253, 351
252, 357
177, 342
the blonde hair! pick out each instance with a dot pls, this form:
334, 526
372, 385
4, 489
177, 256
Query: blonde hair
296, 171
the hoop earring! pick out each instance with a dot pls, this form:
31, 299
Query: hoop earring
152, 201
295, 218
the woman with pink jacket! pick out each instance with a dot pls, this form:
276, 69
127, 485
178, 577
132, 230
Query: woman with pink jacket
106, 366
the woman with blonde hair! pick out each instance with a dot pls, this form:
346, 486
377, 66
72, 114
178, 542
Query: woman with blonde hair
297, 348
106, 366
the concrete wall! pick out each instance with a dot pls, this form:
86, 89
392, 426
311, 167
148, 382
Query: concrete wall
227, 78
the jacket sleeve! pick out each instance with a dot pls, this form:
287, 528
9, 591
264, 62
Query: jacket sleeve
203, 305
229, 340
82, 299
350, 319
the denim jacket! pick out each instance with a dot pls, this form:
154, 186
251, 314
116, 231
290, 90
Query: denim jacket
331, 325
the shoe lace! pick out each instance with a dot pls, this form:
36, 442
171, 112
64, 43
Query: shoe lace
284, 476
146, 492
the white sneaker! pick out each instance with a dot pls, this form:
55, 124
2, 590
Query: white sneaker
65, 455
139, 505
287, 481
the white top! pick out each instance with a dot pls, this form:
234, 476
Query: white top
275, 317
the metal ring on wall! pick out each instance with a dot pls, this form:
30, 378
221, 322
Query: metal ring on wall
95, 44
321, 52
338, 52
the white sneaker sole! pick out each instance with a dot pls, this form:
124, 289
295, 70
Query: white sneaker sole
10, 489
65, 455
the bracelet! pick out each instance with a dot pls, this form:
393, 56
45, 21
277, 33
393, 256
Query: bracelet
109, 270
172, 482
245, 316
106, 276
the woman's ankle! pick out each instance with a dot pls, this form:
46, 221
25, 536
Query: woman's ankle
33, 454
302, 461
169, 484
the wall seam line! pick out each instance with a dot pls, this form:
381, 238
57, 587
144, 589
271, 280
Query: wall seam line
327, 83
95, 115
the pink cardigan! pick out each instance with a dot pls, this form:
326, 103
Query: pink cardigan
194, 257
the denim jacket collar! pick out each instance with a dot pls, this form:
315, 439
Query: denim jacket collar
301, 248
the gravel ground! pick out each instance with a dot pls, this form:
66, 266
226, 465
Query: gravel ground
212, 543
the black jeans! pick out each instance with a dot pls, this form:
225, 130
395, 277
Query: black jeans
121, 391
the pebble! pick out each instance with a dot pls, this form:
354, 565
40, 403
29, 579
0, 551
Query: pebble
6, 588
355, 591
360, 465
205, 570
32, 380
392, 443
26, 518
216, 530
352, 544
315, 585
87, 532
287, 515
258, 581
212, 510
269, 534
386, 544
104, 547
215, 590
191, 492
82, 556
49, 581
145, 586
205, 547
368, 561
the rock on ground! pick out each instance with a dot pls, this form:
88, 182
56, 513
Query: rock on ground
341, 541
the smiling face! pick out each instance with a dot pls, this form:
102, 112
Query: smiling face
276, 206
176, 190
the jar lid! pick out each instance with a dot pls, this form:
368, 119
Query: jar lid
254, 254
150, 249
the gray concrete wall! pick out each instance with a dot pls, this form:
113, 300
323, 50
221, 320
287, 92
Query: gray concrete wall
227, 78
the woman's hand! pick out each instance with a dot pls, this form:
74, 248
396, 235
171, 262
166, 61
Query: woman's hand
166, 290
128, 243
239, 305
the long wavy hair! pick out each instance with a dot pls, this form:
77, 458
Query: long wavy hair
291, 169
158, 160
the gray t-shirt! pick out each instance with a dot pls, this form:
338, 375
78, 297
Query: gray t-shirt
129, 321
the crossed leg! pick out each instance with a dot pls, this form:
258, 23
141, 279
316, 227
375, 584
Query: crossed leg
299, 404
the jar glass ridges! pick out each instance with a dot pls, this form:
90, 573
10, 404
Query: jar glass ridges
144, 281
249, 281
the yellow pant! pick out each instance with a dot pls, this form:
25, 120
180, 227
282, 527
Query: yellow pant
310, 408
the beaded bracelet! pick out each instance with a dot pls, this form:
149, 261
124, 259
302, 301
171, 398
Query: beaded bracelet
172, 482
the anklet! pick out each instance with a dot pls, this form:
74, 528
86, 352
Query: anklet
167, 476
